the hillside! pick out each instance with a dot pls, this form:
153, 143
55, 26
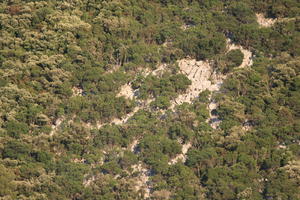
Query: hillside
149, 99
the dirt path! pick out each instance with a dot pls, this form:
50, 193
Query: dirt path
182, 156
133, 146
213, 120
142, 182
127, 91
203, 77
263, 21
56, 125
247, 61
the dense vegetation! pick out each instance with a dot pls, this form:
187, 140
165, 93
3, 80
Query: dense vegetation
49, 49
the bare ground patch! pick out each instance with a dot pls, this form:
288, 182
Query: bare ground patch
263, 21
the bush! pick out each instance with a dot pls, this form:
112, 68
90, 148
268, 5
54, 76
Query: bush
16, 129
16, 150
234, 58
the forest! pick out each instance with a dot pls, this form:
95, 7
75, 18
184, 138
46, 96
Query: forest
150, 99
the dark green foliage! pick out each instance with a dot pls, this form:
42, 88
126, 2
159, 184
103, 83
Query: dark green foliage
16, 150
43, 157
178, 130
168, 86
161, 102
203, 48
63, 64
242, 12
156, 151
281, 186
110, 135
234, 58
6, 177
15, 129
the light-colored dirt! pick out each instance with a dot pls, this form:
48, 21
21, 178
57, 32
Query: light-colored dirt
202, 77
56, 125
247, 61
263, 21
160, 70
133, 146
247, 125
213, 120
126, 91
182, 156
142, 181
88, 180
186, 26
77, 91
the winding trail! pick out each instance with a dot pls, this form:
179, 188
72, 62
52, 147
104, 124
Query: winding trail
56, 125
203, 77
127, 91
265, 22
182, 156
247, 62
213, 119
142, 182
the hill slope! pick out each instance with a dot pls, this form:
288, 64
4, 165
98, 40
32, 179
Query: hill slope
149, 99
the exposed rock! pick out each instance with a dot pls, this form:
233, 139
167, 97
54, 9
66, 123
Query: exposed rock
77, 91
182, 156
126, 91
56, 125
247, 125
142, 182
213, 120
160, 70
186, 26
88, 180
202, 77
247, 61
263, 21
133, 146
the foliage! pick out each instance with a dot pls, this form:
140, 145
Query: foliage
62, 64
